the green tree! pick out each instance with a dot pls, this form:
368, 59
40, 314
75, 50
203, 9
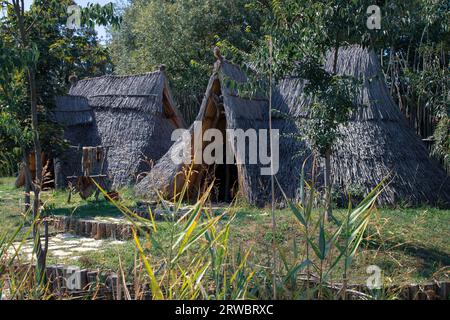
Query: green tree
303, 32
38, 52
181, 35
415, 55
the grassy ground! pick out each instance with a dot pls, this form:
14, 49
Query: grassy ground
54, 202
409, 245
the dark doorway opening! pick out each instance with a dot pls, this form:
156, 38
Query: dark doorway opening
225, 176
225, 181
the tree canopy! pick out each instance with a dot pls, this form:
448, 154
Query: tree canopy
181, 35
55, 52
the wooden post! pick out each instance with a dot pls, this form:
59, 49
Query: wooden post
113, 231
88, 228
60, 182
94, 229
107, 230
66, 224
101, 231
82, 227
83, 279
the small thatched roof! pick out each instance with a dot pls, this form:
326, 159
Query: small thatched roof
72, 110
78, 119
133, 116
376, 142
148, 92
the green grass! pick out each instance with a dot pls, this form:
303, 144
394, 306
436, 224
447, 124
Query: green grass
55, 203
11, 206
409, 245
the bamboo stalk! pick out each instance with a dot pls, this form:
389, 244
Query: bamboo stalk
272, 184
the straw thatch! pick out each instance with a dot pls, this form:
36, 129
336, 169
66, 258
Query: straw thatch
72, 111
222, 108
132, 116
78, 119
376, 141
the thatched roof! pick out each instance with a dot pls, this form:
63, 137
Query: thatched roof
241, 112
376, 142
74, 113
134, 116
148, 92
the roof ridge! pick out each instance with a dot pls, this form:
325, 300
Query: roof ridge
122, 76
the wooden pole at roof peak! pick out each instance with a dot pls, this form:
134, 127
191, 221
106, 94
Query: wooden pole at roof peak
217, 53
73, 79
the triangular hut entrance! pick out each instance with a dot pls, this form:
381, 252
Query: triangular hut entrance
225, 175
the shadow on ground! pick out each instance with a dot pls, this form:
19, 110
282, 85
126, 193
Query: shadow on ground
431, 259
99, 208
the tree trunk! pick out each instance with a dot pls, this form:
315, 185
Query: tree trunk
41, 253
335, 57
19, 9
27, 181
328, 182
328, 212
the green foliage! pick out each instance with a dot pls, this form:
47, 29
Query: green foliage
415, 55
332, 97
305, 29
13, 137
181, 35
442, 143
54, 52
346, 239
197, 250
397, 240
354, 193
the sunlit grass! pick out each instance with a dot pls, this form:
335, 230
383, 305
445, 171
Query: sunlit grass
409, 245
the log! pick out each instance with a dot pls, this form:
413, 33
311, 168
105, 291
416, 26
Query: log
430, 290
107, 230
101, 231
94, 229
444, 290
60, 222
83, 278
82, 227
72, 224
113, 231
59, 271
66, 224
77, 228
88, 228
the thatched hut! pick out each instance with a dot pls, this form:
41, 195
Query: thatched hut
75, 115
132, 117
376, 142
223, 107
